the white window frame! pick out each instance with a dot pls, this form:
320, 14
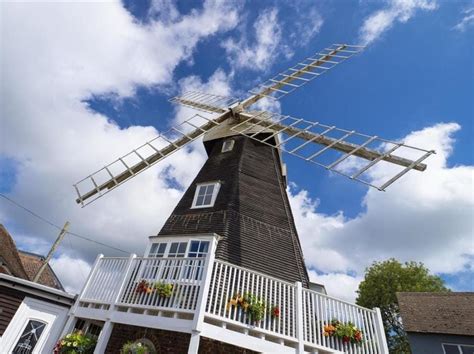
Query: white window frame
211, 238
215, 192
169, 241
228, 145
455, 344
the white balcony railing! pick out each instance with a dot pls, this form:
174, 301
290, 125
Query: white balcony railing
184, 275
229, 280
318, 310
119, 284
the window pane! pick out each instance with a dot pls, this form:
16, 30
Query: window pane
182, 247
174, 247
202, 190
210, 189
451, 349
194, 246
467, 349
157, 250
207, 199
162, 249
204, 246
205, 195
154, 248
200, 200
29, 338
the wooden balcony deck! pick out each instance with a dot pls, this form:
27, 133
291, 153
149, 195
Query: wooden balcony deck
123, 290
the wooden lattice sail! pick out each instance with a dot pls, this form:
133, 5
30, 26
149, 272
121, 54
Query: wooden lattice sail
343, 151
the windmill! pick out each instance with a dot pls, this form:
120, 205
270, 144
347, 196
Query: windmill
236, 215
345, 152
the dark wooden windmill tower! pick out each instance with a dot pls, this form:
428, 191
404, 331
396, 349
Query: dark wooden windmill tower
236, 216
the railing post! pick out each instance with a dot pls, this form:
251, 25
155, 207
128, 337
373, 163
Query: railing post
68, 327
299, 317
123, 284
380, 332
91, 275
202, 298
106, 331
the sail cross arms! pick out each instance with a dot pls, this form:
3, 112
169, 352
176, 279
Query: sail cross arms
339, 150
349, 153
140, 159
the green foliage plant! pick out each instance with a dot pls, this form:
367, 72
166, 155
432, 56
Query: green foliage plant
381, 283
75, 343
163, 289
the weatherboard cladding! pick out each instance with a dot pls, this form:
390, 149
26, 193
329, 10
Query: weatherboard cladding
251, 212
10, 300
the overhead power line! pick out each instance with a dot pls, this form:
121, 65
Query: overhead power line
31, 212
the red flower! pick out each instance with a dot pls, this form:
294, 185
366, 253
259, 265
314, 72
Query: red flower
276, 311
346, 339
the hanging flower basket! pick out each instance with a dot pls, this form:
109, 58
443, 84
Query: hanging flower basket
250, 304
75, 343
347, 332
137, 347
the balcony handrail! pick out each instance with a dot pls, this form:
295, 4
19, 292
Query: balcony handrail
155, 258
293, 284
338, 300
303, 312
255, 272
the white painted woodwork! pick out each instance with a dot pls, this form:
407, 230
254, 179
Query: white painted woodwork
53, 316
104, 338
202, 290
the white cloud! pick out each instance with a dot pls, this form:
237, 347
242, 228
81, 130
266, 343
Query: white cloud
466, 21
51, 62
423, 217
307, 25
395, 11
219, 83
261, 54
339, 285
72, 272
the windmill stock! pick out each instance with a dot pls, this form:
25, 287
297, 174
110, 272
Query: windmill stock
345, 152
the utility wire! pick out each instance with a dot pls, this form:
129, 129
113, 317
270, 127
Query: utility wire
58, 227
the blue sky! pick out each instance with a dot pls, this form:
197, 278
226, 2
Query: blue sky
406, 81
108, 90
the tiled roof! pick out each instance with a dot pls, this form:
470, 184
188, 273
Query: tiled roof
32, 263
23, 265
9, 258
448, 313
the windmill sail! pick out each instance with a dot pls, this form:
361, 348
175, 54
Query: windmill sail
278, 86
205, 101
138, 160
339, 150
345, 152
302, 73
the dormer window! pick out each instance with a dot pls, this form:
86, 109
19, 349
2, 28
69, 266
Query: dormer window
206, 194
227, 145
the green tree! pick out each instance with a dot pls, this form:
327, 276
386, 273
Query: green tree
378, 289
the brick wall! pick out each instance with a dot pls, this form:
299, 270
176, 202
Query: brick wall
167, 341
164, 341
